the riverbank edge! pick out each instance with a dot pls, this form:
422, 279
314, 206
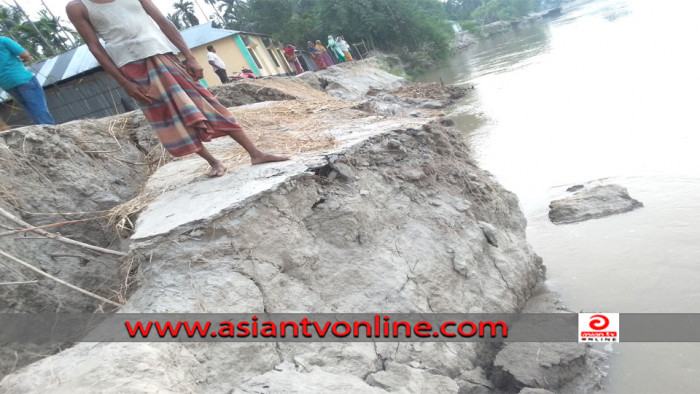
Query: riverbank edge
416, 162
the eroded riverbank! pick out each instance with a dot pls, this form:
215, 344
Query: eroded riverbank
567, 102
381, 209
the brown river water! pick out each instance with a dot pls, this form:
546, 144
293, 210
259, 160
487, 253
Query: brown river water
609, 92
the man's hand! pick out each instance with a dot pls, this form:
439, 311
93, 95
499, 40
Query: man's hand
140, 93
194, 69
25, 57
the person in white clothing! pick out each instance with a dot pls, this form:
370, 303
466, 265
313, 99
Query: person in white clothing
218, 64
344, 47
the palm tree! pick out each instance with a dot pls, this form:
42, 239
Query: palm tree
175, 20
12, 26
37, 33
51, 27
232, 12
9, 18
69, 34
185, 12
200, 7
212, 3
31, 40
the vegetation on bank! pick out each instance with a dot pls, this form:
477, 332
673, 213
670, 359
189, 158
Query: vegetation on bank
417, 30
388, 25
481, 12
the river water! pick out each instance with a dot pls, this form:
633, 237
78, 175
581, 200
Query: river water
608, 93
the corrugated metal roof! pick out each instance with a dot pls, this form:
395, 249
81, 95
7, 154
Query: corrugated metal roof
47, 66
204, 34
79, 60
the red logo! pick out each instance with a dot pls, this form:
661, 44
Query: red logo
599, 322
598, 327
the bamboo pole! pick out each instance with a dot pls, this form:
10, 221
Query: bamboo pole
24, 230
28, 282
61, 28
57, 237
221, 17
201, 9
55, 279
41, 36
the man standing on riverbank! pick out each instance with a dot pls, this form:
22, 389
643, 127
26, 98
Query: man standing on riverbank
138, 55
20, 83
218, 64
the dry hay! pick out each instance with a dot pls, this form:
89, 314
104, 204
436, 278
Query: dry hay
282, 127
98, 138
122, 126
3, 126
289, 128
120, 216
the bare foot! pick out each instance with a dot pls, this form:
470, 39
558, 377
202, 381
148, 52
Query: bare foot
216, 170
267, 158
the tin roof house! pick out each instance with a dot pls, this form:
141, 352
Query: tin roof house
77, 87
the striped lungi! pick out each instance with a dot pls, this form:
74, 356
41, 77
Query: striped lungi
183, 112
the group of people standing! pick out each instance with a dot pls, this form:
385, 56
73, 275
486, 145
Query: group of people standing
337, 51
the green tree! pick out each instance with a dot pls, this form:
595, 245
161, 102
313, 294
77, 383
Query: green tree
461, 9
17, 25
175, 19
213, 3
42, 38
266, 16
51, 28
392, 25
232, 12
407, 25
184, 10
71, 36
9, 18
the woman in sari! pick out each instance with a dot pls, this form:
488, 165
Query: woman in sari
344, 47
316, 55
292, 58
324, 54
333, 48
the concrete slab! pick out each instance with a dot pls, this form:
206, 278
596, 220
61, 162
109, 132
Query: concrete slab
188, 199
197, 201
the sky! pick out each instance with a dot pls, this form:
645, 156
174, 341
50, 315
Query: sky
58, 7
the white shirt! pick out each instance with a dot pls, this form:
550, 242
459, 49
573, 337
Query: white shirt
127, 30
218, 63
343, 46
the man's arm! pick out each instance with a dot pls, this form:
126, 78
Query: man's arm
175, 37
16, 50
78, 15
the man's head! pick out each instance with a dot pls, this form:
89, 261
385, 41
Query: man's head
210, 48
